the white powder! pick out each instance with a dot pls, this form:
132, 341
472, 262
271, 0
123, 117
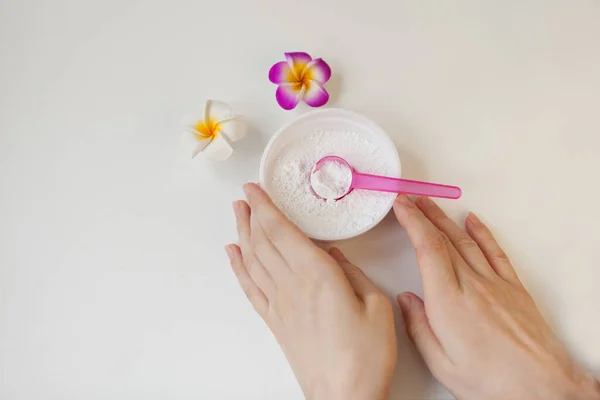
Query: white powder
288, 183
332, 180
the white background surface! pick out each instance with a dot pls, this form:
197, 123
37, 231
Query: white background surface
113, 281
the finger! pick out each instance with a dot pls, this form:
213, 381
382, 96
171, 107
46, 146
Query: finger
362, 285
491, 249
286, 237
268, 255
462, 242
420, 333
257, 271
433, 257
253, 293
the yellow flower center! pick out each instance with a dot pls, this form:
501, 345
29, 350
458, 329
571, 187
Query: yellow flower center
303, 75
208, 129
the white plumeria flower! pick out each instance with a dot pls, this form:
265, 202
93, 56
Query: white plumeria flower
211, 132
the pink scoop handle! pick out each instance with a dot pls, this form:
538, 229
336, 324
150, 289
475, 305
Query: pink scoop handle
396, 185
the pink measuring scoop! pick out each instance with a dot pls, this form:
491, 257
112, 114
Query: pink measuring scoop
389, 184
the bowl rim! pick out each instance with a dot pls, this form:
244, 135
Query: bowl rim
346, 114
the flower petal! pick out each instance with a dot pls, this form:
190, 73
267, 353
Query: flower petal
234, 128
318, 70
217, 111
219, 149
297, 62
288, 95
315, 95
193, 143
298, 57
281, 73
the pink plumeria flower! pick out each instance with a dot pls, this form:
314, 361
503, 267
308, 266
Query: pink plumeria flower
300, 78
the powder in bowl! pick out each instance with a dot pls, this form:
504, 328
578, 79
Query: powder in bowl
288, 178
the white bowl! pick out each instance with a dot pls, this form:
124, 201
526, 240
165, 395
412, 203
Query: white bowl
334, 119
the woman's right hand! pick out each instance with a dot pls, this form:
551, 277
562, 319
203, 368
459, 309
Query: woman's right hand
478, 330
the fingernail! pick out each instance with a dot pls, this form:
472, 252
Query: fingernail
404, 200
246, 188
404, 299
229, 252
472, 218
425, 202
236, 207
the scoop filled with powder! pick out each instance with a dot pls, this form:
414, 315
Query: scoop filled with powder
331, 180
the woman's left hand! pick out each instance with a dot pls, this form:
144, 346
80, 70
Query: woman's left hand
334, 325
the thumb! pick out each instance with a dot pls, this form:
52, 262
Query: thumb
361, 284
419, 331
